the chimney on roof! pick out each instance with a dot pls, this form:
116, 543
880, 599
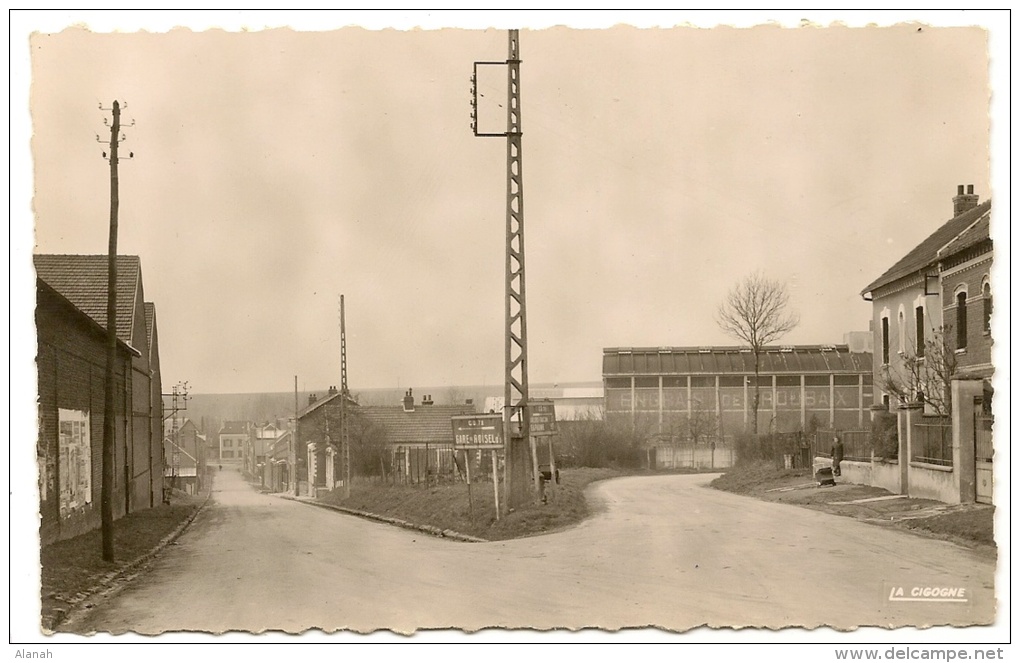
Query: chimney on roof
408, 401
426, 400
964, 201
312, 398
332, 390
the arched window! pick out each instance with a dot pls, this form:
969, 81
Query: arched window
986, 292
961, 320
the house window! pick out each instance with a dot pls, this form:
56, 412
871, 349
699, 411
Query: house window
919, 331
986, 292
885, 341
901, 330
961, 320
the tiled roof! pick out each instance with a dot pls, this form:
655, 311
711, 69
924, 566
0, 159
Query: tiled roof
425, 424
717, 360
234, 428
926, 252
82, 279
50, 292
976, 234
318, 403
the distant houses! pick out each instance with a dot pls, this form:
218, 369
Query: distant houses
233, 437
277, 471
184, 453
70, 316
406, 443
256, 449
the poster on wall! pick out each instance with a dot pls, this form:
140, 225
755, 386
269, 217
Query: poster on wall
75, 471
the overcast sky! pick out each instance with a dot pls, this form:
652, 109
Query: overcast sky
276, 169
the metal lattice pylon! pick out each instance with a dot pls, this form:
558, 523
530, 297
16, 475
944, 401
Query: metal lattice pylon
516, 421
345, 434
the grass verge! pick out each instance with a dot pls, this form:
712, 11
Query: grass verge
967, 524
447, 506
959, 525
73, 568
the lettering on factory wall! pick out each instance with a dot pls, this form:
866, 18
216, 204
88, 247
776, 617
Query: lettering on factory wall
733, 398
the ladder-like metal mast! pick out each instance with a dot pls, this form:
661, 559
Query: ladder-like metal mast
345, 432
515, 392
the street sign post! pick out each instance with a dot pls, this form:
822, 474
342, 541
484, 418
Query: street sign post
543, 417
479, 431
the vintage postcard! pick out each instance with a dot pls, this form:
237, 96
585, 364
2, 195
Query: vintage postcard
736, 382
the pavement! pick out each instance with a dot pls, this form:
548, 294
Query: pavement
666, 551
389, 520
877, 506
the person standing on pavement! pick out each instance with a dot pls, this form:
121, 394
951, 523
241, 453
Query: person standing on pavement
837, 455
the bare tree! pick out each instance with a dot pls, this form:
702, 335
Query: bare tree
925, 377
701, 425
756, 311
370, 453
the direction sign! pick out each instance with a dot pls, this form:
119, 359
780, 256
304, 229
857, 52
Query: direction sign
543, 417
477, 431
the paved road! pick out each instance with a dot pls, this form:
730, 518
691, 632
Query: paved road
666, 551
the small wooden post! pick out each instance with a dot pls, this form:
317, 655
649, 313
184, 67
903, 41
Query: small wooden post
467, 470
552, 467
495, 480
534, 464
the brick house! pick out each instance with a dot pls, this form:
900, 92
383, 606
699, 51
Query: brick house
71, 361
318, 434
910, 301
933, 363
964, 267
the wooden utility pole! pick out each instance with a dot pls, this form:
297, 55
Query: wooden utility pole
109, 405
